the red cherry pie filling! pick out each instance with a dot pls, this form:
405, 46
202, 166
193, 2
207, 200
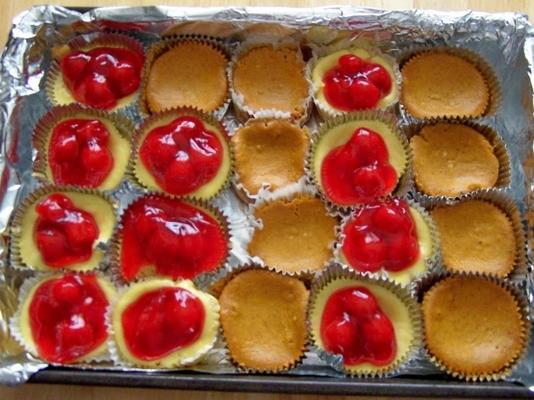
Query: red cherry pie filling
381, 235
358, 171
354, 325
183, 155
63, 233
66, 317
177, 239
100, 77
356, 84
79, 153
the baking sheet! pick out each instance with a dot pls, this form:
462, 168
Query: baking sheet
505, 40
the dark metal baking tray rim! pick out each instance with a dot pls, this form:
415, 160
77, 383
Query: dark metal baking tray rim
437, 386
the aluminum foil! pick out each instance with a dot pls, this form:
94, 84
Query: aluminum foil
506, 41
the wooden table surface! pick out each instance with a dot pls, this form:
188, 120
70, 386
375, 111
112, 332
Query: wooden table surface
13, 7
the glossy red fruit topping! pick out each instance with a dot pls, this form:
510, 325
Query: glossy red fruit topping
102, 76
176, 238
162, 321
67, 317
355, 84
359, 170
182, 156
354, 326
381, 235
79, 154
64, 234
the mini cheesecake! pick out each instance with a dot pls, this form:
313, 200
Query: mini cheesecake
263, 316
269, 153
452, 159
357, 161
104, 73
365, 322
476, 236
160, 323
473, 327
83, 148
172, 238
272, 79
443, 84
352, 80
296, 234
186, 73
183, 153
389, 237
62, 318
57, 229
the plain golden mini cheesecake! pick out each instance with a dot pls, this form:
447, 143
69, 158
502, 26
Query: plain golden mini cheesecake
189, 73
297, 234
263, 316
451, 159
473, 327
270, 78
440, 84
269, 152
476, 236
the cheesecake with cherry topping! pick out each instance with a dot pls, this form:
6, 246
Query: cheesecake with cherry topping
182, 153
83, 148
172, 238
62, 318
160, 323
365, 322
61, 229
104, 73
352, 80
390, 237
357, 161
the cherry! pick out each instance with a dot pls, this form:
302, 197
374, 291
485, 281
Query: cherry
349, 64
340, 336
52, 245
96, 91
74, 335
95, 157
180, 175
75, 63
360, 303
392, 218
368, 147
378, 75
370, 251
379, 339
402, 251
67, 149
93, 131
356, 84
125, 79
67, 291
364, 94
